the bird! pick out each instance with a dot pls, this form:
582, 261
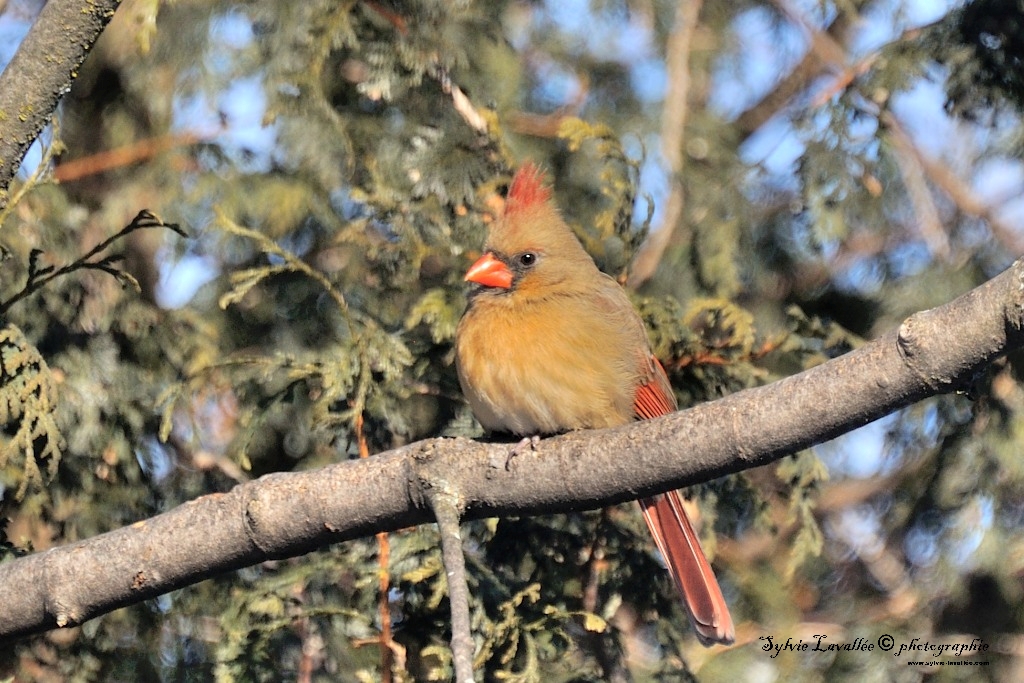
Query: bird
550, 344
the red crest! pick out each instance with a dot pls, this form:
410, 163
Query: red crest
527, 189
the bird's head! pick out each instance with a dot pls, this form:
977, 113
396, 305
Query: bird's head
530, 250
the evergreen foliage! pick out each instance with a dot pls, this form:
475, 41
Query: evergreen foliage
334, 188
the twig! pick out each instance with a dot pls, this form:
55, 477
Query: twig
460, 101
49, 150
795, 82
38, 277
139, 150
393, 18
306, 659
958, 191
384, 585
608, 658
445, 504
250, 277
548, 125
826, 52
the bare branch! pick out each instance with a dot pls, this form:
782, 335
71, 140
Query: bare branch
39, 277
826, 52
959, 191
913, 172
287, 514
673, 130
444, 502
41, 72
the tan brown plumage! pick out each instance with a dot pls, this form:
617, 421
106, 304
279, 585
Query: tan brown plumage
550, 344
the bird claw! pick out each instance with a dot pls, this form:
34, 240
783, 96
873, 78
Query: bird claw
531, 441
497, 462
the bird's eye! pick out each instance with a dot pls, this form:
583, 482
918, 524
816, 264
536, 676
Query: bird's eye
527, 259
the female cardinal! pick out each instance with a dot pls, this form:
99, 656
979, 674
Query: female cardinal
550, 344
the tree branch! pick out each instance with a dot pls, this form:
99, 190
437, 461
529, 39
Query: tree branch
446, 507
826, 51
956, 189
673, 131
287, 514
41, 72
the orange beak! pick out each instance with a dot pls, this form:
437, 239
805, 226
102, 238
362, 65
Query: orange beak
490, 272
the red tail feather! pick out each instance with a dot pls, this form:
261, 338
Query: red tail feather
674, 535
690, 569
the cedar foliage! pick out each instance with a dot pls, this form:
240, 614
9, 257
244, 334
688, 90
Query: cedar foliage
334, 194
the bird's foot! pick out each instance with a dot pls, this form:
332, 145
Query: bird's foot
530, 442
498, 462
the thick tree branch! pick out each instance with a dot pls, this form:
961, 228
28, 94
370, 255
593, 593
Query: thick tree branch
287, 514
41, 72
